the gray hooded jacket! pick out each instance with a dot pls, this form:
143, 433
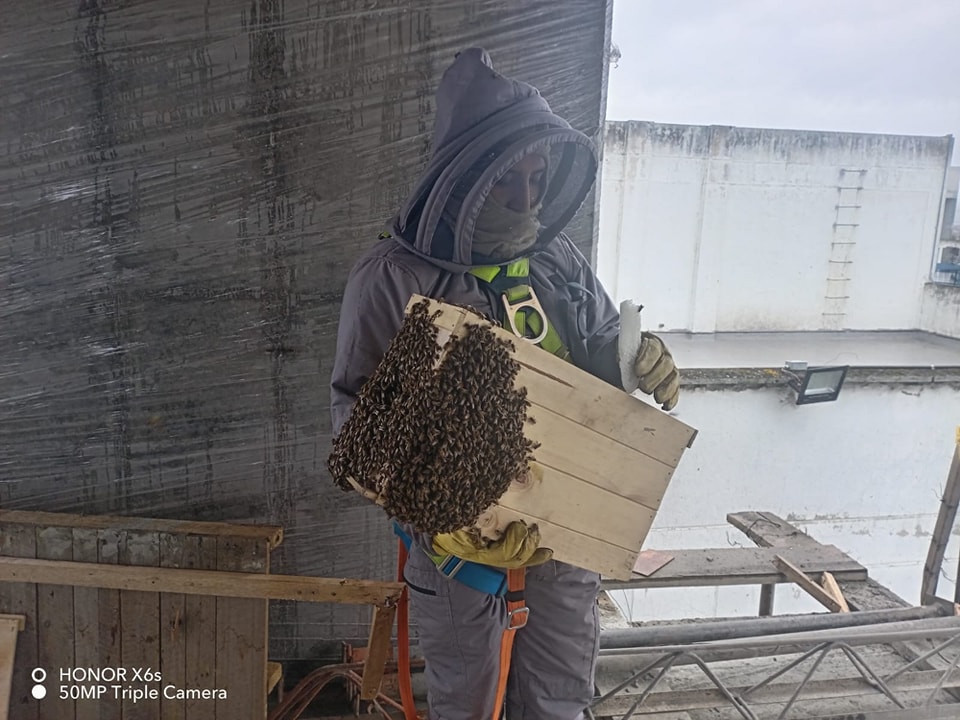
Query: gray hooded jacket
485, 122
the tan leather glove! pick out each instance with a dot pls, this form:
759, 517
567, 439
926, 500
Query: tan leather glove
657, 372
517, 548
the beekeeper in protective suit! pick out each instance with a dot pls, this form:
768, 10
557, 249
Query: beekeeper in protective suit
483, 228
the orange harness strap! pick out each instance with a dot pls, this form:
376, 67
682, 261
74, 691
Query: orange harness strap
517, 613
403, 641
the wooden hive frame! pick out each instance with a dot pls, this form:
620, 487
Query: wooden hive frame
604, 462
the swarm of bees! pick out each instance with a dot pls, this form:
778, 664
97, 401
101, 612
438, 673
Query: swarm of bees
436, 440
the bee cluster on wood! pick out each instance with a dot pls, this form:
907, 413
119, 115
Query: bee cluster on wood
436, 444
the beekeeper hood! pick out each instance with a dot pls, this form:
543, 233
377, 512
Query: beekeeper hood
485, 122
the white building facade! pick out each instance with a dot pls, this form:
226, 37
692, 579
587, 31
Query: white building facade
750, 248
722, 229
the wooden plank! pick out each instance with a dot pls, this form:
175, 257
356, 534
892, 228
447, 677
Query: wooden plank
86, 619
200, 629
140, 624
829, 583
743, 566
946, 518
201, 582
274, 678
775, 694
597, 459
272, 534
173, 647
598, 405
242, 634
378, 650
769, 530
109, 541
564, 500
574, 547
55, 637
21, 599
807, 584
10, 627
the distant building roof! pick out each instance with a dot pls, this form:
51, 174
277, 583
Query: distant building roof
894, 349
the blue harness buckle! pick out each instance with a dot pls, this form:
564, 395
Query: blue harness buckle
483, 578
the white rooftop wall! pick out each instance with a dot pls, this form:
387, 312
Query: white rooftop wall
732, 229
864, 473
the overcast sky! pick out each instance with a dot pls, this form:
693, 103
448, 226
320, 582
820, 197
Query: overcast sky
888, 66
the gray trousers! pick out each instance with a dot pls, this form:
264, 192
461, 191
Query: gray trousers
554, 656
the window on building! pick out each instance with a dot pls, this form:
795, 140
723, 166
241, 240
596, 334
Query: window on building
949, 217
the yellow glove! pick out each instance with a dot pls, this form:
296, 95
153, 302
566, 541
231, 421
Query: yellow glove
517, 548
657, 372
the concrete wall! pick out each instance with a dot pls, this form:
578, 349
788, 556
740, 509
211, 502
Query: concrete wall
941, 309
733, 229
864, 473
185, 187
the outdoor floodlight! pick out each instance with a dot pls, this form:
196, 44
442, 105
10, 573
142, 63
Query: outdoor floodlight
815, 384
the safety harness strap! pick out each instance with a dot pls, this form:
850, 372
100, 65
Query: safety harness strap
517, 613
522, 313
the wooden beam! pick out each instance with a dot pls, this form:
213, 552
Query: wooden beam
742, 566
200, 582
272, 534
378, 650
829, 583
768, 530
941, 532
807, 583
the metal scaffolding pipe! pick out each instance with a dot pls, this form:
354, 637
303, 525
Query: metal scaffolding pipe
677, 634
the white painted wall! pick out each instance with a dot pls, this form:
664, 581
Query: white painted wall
864, 473
941, 310
732, 229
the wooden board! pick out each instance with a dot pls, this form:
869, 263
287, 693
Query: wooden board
807, 584
173, 647
199, 582
86, 619
941, 532
242, 634
378, 650
743, 566
603, 465
200, 626
10, 627
271, 533
110, 628
140, 623
55, 639
21, 599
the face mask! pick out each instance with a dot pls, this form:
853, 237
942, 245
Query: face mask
504, 234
